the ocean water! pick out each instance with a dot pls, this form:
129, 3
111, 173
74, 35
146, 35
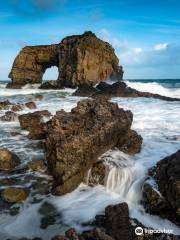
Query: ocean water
158, 123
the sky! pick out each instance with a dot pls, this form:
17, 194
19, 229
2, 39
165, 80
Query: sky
144, 33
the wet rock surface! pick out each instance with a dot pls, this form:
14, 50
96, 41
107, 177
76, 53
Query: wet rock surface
167, 177
78, 138
35, 123
81, 59
8, 160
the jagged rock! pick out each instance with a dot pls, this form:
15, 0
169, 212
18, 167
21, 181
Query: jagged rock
131, 143
50, 85
78, 138
30, 105
81, 59
120, 89
14, 195
8, 160
9, 116
166, 203
35, 123
85, 90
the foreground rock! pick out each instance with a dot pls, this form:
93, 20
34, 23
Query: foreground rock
81, 59
14, 195
115, 224
119, 89
166, 201
8, 160
78, 138
35, 123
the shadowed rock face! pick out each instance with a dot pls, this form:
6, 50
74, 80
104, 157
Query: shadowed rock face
81, 59
75, 140
166, 201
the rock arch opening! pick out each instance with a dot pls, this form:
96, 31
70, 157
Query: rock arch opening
51, 73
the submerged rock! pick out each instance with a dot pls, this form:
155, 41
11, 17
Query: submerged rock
14, 195
81, 59
35, 123
38, 97
75, 140
8, 160
31, 105
167, 177
37, 165
4, 105
9, 116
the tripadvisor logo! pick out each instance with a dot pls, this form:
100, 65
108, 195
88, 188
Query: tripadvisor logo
139, 231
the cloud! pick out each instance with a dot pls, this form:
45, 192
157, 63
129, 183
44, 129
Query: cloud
161, 46
35, 8
161, 58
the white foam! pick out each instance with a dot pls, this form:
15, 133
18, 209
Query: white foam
154, 87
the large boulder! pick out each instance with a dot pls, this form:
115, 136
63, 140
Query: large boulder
81, 59
166, 201
75, 140
8, 160
35, 123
